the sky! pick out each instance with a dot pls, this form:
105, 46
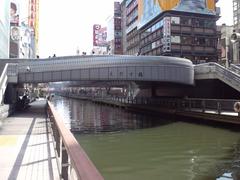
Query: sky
66, 25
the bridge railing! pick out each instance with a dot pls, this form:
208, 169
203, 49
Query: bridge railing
187, 104
229, 76
73, 162
235, 68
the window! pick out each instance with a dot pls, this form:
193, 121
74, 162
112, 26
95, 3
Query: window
186, 21
186, 40
175, 20
175, 39
199, 41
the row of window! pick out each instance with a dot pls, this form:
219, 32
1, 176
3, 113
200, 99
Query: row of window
132, 17
188, 21
202, 41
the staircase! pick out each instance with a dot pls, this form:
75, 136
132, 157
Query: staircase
230, 76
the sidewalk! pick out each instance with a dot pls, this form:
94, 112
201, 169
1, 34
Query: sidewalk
26, 146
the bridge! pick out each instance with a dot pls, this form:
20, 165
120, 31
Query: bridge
100, 71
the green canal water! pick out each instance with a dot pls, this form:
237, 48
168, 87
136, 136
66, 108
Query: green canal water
130, 146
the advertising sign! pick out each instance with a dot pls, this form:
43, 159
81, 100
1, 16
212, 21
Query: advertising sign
15, 33
149, 9
14, 13
99, 35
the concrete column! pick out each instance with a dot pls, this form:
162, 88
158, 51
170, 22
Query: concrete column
10, 94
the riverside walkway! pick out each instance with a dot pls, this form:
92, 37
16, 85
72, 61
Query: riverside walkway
26, 146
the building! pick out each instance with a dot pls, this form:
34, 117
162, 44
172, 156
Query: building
130, 39
4, 28
23, 28
236, 28
236, 15
174, 28
226, 45
114, 31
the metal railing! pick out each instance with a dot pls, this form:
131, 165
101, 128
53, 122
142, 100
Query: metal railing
235, 68
73, 162
3, 83
229, 76
218, 106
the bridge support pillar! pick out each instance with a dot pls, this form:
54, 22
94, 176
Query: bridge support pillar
10, 94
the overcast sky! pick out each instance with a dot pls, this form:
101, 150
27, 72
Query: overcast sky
66, 26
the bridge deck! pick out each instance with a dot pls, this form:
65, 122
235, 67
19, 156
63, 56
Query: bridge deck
26, 146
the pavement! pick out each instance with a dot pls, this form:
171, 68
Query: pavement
26, 146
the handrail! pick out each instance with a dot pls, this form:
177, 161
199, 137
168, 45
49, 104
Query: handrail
3, 81
3, 75
69, 151
229, 76
235, 68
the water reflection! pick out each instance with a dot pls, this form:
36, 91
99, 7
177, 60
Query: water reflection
174, 150
88, 117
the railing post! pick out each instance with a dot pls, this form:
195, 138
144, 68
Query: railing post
203, 106
65, 163
190, 104
219, 107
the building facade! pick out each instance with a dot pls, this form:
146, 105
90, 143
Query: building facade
236, 28
174, 28
114, 31
4, 28
129, 25
226, 45
236, 15
23, 35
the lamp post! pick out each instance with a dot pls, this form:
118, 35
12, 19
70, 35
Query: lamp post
235, 39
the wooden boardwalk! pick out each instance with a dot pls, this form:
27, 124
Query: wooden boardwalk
26, 146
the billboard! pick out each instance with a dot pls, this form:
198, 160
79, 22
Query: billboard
4, 28
149, 9
14, 13
33, 21
99, 35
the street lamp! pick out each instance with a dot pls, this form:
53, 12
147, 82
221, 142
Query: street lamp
235, 40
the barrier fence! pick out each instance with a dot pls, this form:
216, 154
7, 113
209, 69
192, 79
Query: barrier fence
73, 162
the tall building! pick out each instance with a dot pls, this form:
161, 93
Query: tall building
236, 15
23, 28
130, 38
114, 31
185, 28
4, 28
236, 27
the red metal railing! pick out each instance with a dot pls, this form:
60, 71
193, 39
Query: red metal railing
73, 162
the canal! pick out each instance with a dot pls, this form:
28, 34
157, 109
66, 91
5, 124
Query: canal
136, 146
